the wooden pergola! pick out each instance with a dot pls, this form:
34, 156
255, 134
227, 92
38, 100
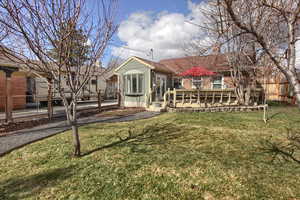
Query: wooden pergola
8, 70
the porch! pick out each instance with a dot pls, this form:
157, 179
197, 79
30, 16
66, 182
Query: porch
205, 98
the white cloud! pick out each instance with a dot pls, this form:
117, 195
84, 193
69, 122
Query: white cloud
166, 33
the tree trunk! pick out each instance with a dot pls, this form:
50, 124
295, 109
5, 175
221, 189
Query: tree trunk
295, 85
76, 140
50, 98
247, 95
74, 125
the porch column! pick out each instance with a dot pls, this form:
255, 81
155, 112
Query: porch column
8, 95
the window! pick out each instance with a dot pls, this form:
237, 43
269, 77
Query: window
177, 83
197, 82
133, 84
94, 82
217, 82
140, 83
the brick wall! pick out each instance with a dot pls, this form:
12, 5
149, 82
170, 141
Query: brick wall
2, 91
207, 82
19, 87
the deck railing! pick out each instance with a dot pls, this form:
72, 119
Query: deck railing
207, 97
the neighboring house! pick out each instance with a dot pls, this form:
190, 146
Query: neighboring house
111, 82
10, 74
38, 88
140, 78
26, 88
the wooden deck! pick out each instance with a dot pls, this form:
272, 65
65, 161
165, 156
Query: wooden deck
207, 98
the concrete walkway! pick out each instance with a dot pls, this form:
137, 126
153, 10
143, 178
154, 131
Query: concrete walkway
24, 137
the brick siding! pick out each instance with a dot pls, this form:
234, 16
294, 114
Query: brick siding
207, 83
19, 87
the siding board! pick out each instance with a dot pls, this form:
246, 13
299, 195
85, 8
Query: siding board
19, 87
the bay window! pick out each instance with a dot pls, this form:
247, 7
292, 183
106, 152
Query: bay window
134, 84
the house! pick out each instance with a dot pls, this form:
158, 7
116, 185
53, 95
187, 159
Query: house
21, 88
13, 83
111, 80
141, 79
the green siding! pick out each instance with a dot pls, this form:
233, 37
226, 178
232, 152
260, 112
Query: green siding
135, 65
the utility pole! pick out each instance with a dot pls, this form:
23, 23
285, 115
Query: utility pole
152, 54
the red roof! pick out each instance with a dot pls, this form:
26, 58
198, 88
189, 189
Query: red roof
217, 63
197, 71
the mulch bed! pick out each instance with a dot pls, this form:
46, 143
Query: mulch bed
6, 129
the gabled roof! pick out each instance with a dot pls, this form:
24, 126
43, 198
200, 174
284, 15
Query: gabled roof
216, 63
152, 65
6, 58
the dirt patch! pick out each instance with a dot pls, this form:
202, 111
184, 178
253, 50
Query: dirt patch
6, 129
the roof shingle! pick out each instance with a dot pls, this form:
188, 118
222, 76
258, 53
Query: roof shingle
216, 63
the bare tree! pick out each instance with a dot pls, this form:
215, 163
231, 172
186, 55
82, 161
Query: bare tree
39, 26
273, 25
225, 40
3, 32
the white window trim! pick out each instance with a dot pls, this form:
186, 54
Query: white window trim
222, 83
200, 80
137, 84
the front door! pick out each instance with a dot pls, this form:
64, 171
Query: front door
161, 86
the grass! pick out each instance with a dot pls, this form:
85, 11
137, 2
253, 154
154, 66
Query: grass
172, 156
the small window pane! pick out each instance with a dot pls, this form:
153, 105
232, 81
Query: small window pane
217, 82
177, 83
141, 80
94, 82
128, 84
197, 82
217, 86
134, 83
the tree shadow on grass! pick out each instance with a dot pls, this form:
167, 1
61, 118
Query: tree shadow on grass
274, 115
31, 186
154, 134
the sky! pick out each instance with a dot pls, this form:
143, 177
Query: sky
160, 25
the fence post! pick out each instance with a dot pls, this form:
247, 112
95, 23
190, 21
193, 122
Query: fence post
205, 100
119, 98
150, 97
265, 118
50, 98
8, 99
229, 98
99, 101
169, 97
198, 98
174, 98
221, 98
